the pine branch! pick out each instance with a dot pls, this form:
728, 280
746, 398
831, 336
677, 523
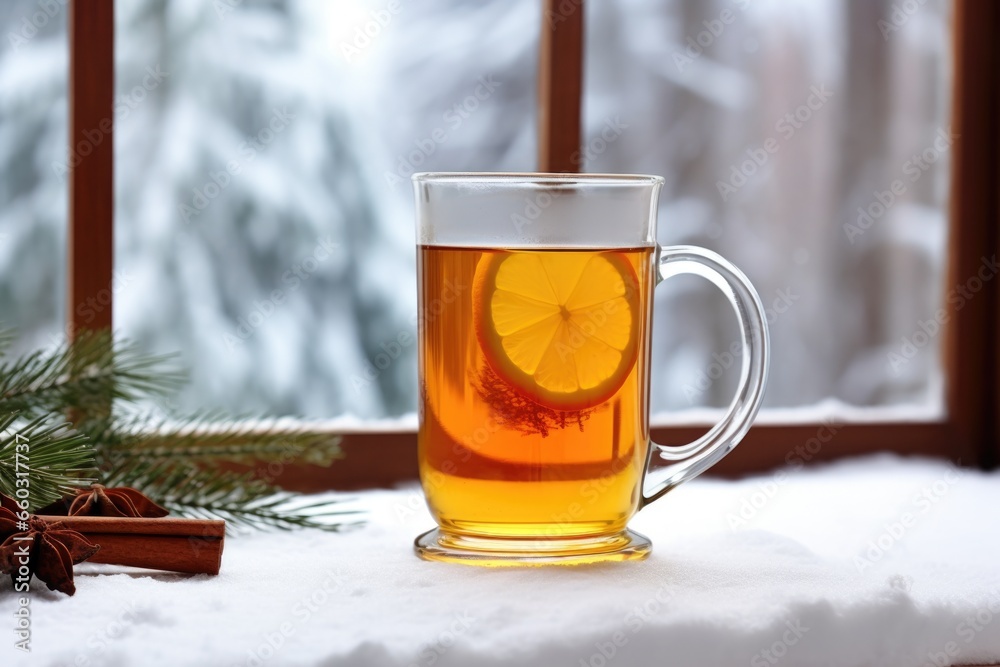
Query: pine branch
207, 439
178, 463
179, 466
6, 338
42, 459
86, 375
279, 511
239, 498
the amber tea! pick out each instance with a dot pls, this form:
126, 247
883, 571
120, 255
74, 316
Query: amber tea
532, 397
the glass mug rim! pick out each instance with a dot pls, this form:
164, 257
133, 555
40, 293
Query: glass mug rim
510, 213
536, 178
536, 210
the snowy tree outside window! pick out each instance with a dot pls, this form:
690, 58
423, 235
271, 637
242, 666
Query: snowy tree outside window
264, 223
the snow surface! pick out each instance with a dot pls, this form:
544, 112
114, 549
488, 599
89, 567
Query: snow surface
717, 590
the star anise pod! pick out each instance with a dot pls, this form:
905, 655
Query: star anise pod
98, 500
8, 517
48, 550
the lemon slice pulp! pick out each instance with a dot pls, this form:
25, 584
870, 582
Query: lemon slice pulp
559, 326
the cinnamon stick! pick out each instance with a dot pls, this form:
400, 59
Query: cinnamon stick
191, 546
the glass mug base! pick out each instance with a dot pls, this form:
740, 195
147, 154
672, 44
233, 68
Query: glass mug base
438, 545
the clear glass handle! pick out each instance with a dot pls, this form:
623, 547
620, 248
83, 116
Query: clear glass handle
669, 466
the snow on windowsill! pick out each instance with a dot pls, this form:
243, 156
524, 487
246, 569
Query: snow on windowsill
878, 560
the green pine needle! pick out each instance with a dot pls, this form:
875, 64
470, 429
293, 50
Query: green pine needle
6, 339
86, 376
241, 499
42, 460
184, 465
279, 511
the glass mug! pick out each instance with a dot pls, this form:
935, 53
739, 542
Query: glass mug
535, 296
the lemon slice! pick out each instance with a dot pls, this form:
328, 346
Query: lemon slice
560, 326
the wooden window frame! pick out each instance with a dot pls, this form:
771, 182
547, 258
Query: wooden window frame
968, 434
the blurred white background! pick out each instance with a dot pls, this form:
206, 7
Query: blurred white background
264, 216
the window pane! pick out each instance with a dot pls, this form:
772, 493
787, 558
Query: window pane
264, 214
264, 218
33, 75
807, 141
265, 222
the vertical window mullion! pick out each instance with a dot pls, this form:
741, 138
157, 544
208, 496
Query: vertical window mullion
91, 178
560, 85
